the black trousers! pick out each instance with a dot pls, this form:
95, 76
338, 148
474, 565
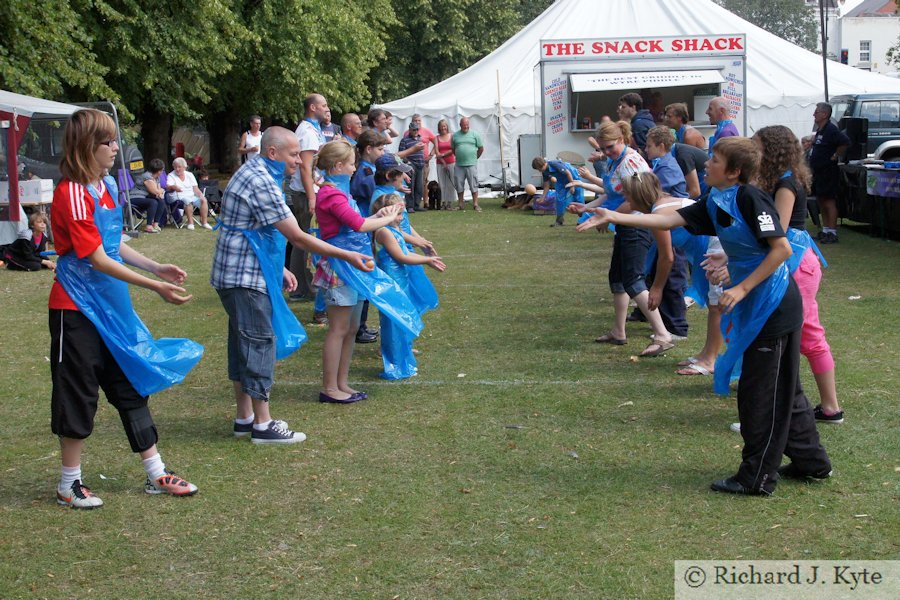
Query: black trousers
776, 417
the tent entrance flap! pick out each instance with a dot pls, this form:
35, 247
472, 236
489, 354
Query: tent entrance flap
599, 82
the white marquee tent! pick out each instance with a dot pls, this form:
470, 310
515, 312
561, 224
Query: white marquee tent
784, 81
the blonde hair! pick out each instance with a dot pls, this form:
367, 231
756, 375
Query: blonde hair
385, 200
642, 190
661, 136
85, 130
611, 132
332, 153
680, 110
35, 217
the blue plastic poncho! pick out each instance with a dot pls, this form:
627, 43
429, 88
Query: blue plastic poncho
150, 365
376, 286
741, 326
396, 345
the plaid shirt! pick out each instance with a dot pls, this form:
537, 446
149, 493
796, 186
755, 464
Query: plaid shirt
252, 200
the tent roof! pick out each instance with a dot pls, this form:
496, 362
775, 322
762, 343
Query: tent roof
34, 107
778, 72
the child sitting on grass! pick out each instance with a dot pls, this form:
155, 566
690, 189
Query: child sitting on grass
25, 254
405, 267
763, 308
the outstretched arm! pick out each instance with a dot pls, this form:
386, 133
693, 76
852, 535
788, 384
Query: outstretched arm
291, 230
654, 221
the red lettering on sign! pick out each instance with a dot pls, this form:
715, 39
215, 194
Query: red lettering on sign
677, 45
735, 44
627, 48
611, 48
706, 45
597, 48
656, 46
548, 49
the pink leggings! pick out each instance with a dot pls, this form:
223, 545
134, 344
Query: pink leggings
813, 344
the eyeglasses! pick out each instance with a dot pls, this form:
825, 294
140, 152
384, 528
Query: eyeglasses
110, 143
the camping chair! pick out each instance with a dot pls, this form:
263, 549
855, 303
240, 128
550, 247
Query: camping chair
210, 189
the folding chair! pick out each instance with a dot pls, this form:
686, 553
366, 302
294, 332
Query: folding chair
210, 189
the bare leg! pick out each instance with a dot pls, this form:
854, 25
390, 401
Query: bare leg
204, 211
828, 208
70, 449
660, 333
827, 391
459, 197
189, 212
339, 330
250, 407
475, 199
347, 351
620, 304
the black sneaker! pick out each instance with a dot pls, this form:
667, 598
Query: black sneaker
828, 237
837, 418
241, 430
790, 471
365, 337
277, 433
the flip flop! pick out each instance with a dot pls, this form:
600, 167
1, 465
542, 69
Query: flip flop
477, 209
694, 369
607, 338
690, 360
661, 348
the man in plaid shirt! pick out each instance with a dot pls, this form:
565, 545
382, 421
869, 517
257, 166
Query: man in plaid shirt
254, 200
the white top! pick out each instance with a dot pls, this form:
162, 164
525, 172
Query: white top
251, 141
187, 186
679, 202
310, 138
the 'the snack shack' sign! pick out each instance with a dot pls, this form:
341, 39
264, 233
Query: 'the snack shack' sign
698, 45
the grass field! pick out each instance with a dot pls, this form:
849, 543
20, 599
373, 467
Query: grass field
524, 461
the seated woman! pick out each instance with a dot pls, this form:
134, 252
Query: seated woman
148, 195
183, 187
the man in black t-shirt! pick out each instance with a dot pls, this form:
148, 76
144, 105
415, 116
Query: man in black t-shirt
776, 417
829, 147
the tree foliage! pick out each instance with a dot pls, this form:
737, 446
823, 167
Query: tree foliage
791, 20
163, 61
47, 51
438, 38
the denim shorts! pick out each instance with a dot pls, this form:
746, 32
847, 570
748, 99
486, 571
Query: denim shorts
342, 295
251, 340
627, 268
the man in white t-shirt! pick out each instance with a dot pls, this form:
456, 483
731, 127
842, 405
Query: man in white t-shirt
303, 187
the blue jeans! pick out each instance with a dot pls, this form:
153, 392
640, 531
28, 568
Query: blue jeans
629, 257
251, 340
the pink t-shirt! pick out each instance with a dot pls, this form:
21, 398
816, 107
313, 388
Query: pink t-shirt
333, 210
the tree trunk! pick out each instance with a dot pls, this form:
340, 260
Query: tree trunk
224, 136
156, 129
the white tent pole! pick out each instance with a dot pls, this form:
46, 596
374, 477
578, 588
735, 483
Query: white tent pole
500, 133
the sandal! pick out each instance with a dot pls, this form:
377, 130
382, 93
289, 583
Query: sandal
477, 209
656, 349
607, 338
690, 360
694, 369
